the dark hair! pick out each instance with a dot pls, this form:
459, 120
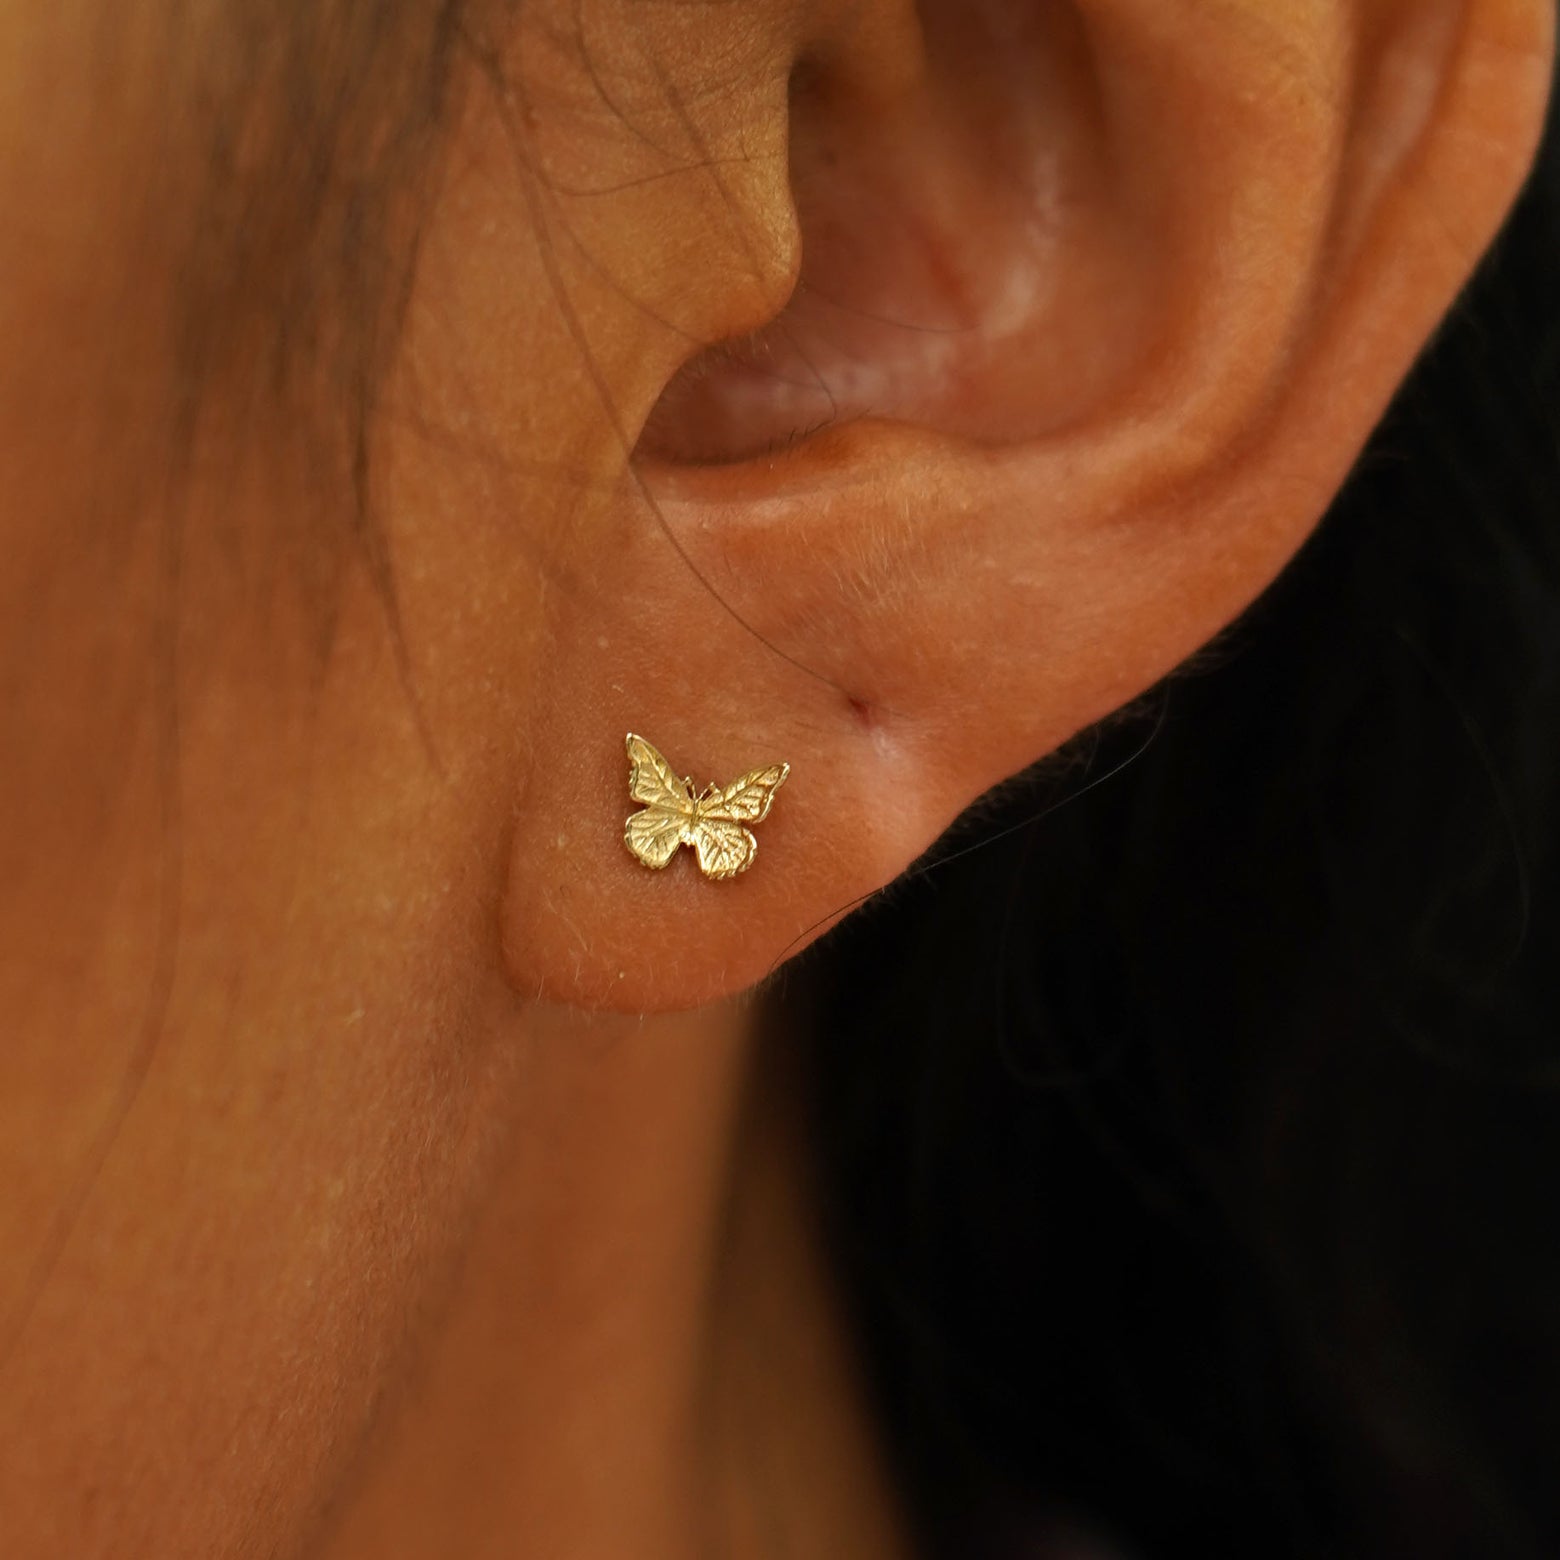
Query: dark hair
1191, 1152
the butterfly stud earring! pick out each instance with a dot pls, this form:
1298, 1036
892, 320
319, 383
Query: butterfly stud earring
714, 822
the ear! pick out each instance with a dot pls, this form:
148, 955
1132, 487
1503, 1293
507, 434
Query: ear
1097, 304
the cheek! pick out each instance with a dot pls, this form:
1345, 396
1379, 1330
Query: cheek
256, 1044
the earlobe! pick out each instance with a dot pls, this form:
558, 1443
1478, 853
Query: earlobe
1093, 361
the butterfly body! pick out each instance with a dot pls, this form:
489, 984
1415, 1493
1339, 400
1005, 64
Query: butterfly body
713, 822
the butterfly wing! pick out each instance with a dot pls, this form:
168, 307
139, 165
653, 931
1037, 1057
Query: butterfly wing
713, 824
724, 848
653, 835
747, 800
651, 781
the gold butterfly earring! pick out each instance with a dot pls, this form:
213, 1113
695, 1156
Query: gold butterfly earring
713, 822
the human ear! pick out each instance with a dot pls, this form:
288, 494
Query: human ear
1097, 303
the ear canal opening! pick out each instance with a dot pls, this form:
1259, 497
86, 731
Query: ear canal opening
955, 240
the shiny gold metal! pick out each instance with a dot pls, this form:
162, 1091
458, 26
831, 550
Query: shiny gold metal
712, 822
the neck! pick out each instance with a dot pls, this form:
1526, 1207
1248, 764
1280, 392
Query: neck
643, 1357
